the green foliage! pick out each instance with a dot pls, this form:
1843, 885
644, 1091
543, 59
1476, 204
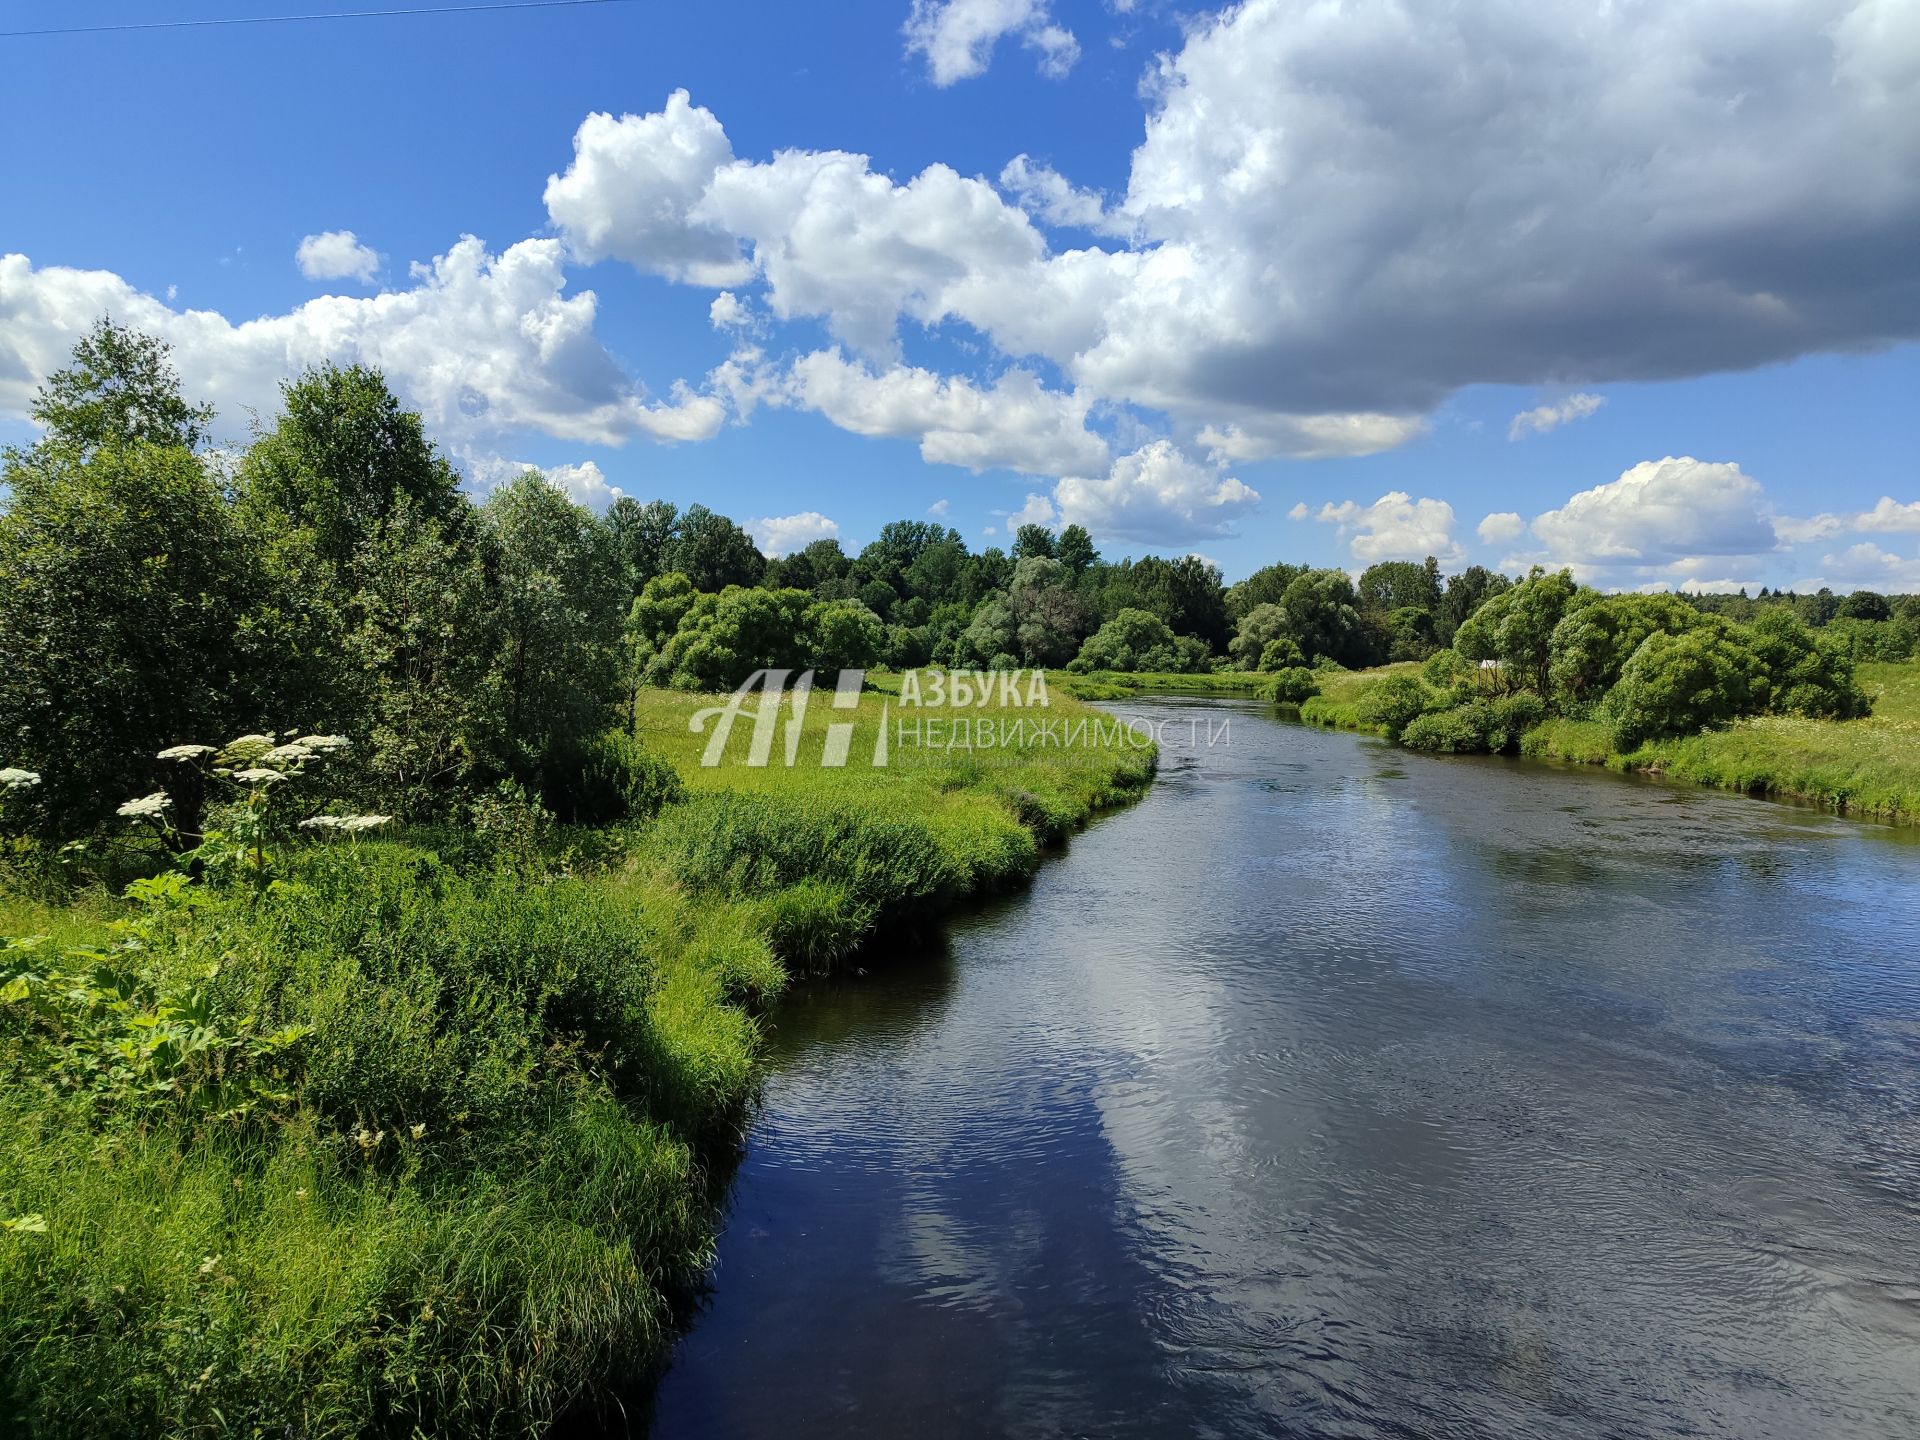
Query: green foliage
1401, 585
1291, 685
1593, 642
1675, 684
1391, 703
1446, 668
1281, 653
1320, 613
123, 583
1463, 730
1805, 675
1135, 640
556, 672
1515, 628
121, 390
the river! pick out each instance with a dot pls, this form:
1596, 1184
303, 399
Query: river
1332, 1090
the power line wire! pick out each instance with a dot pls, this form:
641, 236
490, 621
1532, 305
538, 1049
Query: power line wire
321, 15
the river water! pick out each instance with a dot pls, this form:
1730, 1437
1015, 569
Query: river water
1337, 1091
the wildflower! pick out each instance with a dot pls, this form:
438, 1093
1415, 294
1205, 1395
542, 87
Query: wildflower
292, 755
184, 752
247, 749
346, 824
147, 807
325, 744
11, 780
258, 775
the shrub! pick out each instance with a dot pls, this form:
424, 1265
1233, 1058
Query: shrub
1137, 641
1293, 686
1677, 684
1463, 730
1281, 654
1445, 668
610, 777
1510, 717
1390, 703
1806, 675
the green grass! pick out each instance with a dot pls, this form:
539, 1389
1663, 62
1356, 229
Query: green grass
1333, 707
467, 1200
1113, 685
1867, 767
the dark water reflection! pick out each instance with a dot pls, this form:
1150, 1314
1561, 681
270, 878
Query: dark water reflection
1332, 1091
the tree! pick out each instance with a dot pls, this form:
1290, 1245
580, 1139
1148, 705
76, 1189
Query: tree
421, 636
1864, 605
1050, 620
340, 460
1397, 584
1592, 643
1135, 641
123, 584
1074, 549
1678, 684
1466, 593
1804, 675
121, 389
723, 638
1264, 587
1259, 628
843, 635
713, 552
1515, 628
560, 597
1031, 541
644, 536
1319, 614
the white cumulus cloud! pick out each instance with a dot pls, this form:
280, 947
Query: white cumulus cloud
1396, 527
957, 37
1155, 496
481, 344
778, 535
336, 255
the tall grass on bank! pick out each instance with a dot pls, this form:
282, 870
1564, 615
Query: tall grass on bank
424, 1142
1868, 767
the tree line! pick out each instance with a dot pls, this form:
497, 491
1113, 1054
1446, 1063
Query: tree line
335, 577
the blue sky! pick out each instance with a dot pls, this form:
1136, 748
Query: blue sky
1272, 282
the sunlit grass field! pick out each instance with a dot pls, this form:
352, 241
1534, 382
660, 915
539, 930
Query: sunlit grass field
494, 1167
1868, 767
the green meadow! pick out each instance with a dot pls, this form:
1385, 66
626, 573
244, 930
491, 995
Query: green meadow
426, 1134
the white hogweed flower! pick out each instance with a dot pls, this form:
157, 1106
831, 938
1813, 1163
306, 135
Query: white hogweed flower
147, 807
184, 752
257, 775
12, 779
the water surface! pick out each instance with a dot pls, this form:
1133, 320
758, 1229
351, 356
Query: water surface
1336, 1091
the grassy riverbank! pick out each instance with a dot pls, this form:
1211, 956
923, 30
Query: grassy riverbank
425, 1134
1868, 767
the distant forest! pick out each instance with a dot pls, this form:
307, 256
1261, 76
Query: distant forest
336, 577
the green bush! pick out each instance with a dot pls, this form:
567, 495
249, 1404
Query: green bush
1510, 717
1446, 668
609, 778
1390, 703
1463, 730
1676, 684
1294, 685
